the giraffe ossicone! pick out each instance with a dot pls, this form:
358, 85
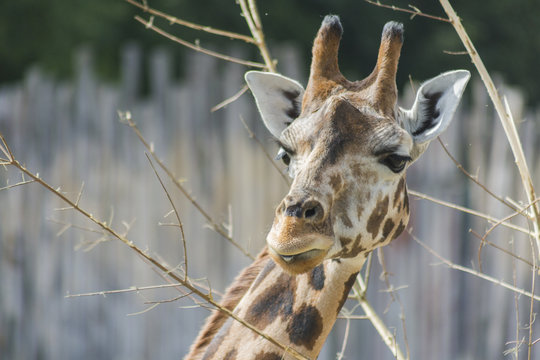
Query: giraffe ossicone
347, 146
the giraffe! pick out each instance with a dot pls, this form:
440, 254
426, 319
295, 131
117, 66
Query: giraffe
346, 146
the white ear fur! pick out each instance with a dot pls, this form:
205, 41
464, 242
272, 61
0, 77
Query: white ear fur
434, 107
278, 98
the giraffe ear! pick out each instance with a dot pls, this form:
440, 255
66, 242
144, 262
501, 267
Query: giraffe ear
278, 98
434, 107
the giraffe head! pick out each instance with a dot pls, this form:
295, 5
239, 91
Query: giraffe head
347, 146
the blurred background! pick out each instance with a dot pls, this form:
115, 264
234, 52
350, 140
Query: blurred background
68, 66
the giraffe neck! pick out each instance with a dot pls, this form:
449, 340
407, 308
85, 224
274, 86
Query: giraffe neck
296, 310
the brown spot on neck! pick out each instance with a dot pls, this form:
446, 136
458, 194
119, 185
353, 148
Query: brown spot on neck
346, 289
377, 217
305, 326
278, 300
268, 356
387, 228
317, 277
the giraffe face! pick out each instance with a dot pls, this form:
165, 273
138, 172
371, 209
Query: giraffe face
347, 146
348, 195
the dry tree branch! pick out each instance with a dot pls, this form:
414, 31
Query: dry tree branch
175, 20
179, 222
122, 291
229, 100
149, 25
20, 183
507, 252
144, 255
126, 118
474, 179
489, 218
504, 113
389, 339
251, 15
413, 12
467, 270
395, 298
493, 227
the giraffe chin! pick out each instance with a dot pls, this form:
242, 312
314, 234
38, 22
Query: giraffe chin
299, 263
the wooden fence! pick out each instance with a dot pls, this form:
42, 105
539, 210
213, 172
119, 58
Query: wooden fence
69, 132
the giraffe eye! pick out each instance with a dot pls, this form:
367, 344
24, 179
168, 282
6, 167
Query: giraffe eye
283, 156
395, 162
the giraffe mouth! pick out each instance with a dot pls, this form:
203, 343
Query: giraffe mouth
302, 256
299, 263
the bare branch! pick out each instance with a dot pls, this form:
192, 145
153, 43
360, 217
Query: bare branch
232, 99
359, 289
413, 12
489, 218
20, 183
179, 222
474, 179
474, 272
251, 15
149, 25
175, 20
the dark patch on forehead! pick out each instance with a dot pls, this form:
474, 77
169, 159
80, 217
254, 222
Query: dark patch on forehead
376, 218
346, 289
231, 355
345, 220
399, 190
270, 265
305, 326
317, 277
336, 182
399, 230
387, 228
276, 301
429, 113
268, 356
217, 340
294, 111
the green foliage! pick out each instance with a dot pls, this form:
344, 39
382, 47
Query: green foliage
506, 33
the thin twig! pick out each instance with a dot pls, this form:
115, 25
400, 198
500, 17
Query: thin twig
515, 256
414, 12
467, 270
149, 25
179, 221
359, 289
489, 218
251, 15
483, 239
341, 353
395, 298
175, 20
473, 179
122, 291
17, 184
231, 99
